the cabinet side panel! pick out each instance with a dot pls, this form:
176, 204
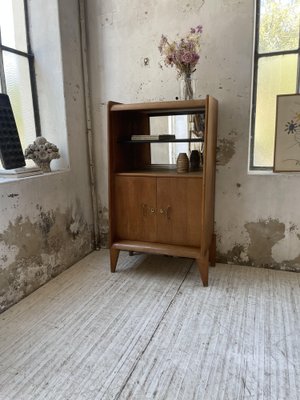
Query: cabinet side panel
194, 211
209, 168
110, 150
142, 152
179, 211
134, 208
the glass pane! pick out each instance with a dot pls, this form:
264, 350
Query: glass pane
12, 24
279, 25
19, 90
276, 75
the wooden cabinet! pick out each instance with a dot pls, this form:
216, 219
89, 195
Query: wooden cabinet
135, 208
179, 211
153, 208
163, 210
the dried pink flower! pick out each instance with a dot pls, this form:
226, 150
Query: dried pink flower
184, 54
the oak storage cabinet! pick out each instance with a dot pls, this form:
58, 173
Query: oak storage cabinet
153, 209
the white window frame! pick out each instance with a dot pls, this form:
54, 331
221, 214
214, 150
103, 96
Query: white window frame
30, 58
257, 57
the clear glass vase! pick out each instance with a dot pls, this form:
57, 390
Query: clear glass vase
187, 87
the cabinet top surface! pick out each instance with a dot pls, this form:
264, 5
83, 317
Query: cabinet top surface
161, 171
161, 106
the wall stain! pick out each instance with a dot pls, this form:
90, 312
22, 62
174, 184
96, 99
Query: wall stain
291, 265
44, 249
293, 227
47, 220
104, 227
192, 6
237, 255
225, 151
238, 185
263, 234
12, 195
4, 258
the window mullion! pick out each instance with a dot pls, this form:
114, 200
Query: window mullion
34, 98
2, 76
298, 69
15, 51
277, 53
35, 102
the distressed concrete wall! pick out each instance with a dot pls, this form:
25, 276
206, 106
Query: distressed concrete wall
46, 221
257, 216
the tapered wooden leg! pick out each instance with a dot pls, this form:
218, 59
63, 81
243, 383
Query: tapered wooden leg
114, 255
203, 269
212, 251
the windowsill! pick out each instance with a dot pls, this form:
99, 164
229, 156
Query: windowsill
258, 172
37, 173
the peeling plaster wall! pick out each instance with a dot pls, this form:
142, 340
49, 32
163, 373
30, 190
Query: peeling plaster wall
46, 221
257, 216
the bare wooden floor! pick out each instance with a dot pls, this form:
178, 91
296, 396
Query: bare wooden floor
151, 331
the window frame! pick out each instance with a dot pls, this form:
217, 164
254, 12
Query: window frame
257, 57
30, 58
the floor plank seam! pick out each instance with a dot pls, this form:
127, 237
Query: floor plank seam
154, 332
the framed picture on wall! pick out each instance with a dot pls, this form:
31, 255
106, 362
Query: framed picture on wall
287, 134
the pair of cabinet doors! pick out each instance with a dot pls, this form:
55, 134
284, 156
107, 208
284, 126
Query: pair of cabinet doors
158, 209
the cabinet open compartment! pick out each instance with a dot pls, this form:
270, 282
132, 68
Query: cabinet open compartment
152, 208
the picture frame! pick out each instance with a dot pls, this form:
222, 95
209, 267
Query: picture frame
287, 134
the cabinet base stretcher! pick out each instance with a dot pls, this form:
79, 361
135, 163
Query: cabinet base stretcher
203, 260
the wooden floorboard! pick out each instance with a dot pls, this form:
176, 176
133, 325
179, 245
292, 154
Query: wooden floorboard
152, 331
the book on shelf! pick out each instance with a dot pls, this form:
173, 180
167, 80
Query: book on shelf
152, 137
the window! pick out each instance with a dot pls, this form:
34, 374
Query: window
276, 71
16, 68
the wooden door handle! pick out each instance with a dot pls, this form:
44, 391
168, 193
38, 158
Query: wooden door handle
166, 212
146, 209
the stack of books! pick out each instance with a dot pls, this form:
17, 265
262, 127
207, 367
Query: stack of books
153, 137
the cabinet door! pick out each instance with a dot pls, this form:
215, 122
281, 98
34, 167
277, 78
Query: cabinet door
135, 208
179, 211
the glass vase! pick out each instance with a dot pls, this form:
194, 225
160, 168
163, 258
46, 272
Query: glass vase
187, 87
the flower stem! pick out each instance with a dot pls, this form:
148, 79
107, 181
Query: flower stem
188, 93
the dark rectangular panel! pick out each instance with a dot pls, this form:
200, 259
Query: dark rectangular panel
11, 153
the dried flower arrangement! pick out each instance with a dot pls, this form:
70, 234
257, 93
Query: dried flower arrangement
183, 55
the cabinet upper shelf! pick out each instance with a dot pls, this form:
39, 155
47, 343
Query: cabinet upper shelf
186, 140
161, 170
163, 108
